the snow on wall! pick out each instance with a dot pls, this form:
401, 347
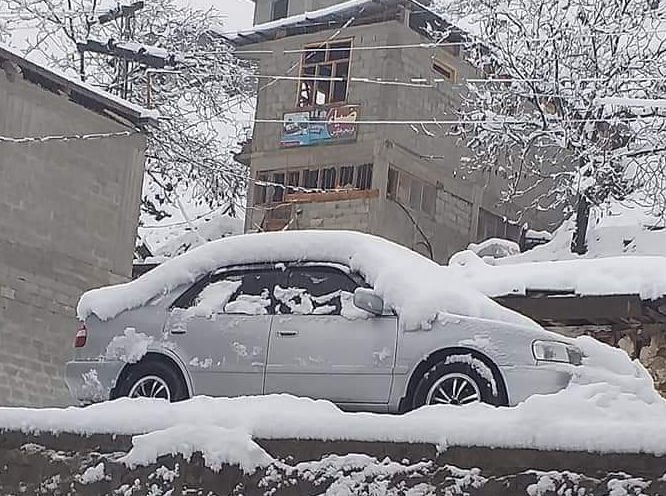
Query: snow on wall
415, 287
219, 446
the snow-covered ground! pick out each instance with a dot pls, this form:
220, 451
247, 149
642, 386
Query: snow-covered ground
597, 417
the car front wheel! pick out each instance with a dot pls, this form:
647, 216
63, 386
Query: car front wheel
152, 380
457, 383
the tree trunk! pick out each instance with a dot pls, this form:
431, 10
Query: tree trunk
578, 241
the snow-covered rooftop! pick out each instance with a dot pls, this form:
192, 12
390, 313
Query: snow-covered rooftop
415, 287
338, 13
626, 256
80, 92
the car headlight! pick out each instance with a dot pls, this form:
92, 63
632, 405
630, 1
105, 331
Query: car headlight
555, 351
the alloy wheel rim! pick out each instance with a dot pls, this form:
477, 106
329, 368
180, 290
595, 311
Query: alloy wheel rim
454, 389
150, 386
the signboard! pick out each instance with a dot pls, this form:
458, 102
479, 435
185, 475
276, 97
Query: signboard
319, 126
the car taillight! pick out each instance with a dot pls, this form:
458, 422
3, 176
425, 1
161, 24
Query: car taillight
81, 337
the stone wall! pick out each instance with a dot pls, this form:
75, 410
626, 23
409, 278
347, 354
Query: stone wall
68, 217
69, 464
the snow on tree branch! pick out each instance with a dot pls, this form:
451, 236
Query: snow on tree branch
557, 98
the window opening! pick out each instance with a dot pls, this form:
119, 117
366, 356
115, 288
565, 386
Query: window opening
445, 70
293, 179
328, 178
278, 192
364, 176
392, 184
260, 194
346, 177
321, 67
311, 178
279, 9
429, 199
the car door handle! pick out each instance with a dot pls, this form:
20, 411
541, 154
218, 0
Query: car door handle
178, 331
287, 333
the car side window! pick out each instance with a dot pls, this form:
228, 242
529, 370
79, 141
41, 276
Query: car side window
254, 295
247, 292
316, 291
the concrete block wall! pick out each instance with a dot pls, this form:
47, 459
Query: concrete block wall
346, 214
68, 217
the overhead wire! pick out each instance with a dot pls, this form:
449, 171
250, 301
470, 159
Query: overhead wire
63, 138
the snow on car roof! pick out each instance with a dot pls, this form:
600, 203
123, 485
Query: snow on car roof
415, 287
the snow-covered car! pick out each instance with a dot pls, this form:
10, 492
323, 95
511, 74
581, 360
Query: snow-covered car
336, 315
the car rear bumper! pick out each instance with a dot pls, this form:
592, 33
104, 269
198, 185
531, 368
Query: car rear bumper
544, 378
92, 381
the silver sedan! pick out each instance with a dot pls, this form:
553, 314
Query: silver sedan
310, 328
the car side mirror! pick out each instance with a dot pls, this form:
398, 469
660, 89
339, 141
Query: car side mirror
367, 300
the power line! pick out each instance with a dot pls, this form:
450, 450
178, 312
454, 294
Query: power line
70, 137
418, 122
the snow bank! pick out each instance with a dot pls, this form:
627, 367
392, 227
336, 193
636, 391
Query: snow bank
615, 410
417, 288
219, 446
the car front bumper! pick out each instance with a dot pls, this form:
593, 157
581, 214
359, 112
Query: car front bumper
544, 378
92, 381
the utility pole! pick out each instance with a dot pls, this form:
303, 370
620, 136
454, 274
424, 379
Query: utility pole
125, 14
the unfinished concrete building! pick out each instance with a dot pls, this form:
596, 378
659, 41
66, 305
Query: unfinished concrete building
338, 83
71, 171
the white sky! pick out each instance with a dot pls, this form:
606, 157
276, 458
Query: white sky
239, 12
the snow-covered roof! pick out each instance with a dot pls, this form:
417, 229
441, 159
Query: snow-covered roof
642, 276
626, 256
171, 241
79, 92
329, 17
415, 287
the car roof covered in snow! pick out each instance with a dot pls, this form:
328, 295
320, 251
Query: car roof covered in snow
415, 287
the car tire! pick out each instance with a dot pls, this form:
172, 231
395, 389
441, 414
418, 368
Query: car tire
144, 378
438, 383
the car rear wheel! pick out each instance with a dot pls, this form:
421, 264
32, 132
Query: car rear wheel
152, 379
456, 383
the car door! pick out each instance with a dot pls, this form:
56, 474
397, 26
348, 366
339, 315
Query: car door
322, 346
221, 327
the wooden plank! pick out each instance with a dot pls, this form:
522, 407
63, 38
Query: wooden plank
328, 196
578, 309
